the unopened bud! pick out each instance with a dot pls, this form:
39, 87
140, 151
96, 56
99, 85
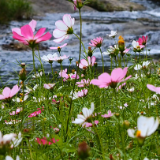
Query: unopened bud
90, 52
121, 44
23, 65
50, 61
77, 62
117, 114
95, 64
70, 60
59, 49
73, 70
83, 150
22, 74
126, 123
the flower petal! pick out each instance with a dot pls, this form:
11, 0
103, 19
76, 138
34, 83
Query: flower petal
27, 32
61, 25
45, 37
39, 33
67, 20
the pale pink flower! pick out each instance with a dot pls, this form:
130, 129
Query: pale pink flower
108, 115
87, 124
34, 114
44, 141
26, 36
84, 63
153, 88
82, 93
83, 83
143, 40
18, 110
121, 86
59, 47
8, 93
12, 121
97, 42
49, 85
126, 50
96, 122
63, 28
105, 80
60, 58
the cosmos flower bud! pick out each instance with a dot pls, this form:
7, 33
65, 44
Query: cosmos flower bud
90, 52
126, 123
117, 115
111, 157
83, 150
22, 74
95, 64
23, 65
121, 44
59, 49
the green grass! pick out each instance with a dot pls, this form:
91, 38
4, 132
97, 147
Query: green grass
14, 10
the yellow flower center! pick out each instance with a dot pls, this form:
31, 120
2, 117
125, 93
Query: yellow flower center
21, 100
138, 134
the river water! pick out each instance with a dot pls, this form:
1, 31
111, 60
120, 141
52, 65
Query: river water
131, 25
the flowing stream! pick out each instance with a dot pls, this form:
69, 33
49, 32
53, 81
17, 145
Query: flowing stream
131, 25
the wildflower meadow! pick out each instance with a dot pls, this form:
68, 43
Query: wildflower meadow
86, 112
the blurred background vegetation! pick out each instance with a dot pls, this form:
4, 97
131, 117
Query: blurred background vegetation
14, 9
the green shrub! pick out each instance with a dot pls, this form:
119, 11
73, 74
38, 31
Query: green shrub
14, 9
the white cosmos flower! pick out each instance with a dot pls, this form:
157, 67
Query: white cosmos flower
37, 75
49, 57
86, 114
10, 158
63, 28
113, 34
145, 127
28, 90
145, 64
49, 85
20, 99
7, 138
130, 89
137, 67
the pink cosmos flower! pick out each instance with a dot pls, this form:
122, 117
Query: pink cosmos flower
84, 63
82, 93
83, 83
44, 141
136, 46
18, 110
59, 47
126, 50
63, 73
60, 58
49, 85
143, 40
105, 80
34, 114
87, 124
153, 88
97, 42
107, 115
63, 28
26, 36
8, 93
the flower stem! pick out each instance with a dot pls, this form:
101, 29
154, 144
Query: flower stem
33, 60
102, 58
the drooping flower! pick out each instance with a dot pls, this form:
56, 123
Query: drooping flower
49, 58
87, 113
145, 127
8, 93
136, 46
113, 34
84, 64
63, 28
44, 141
49, 85
34, 114
97, 42
77, 4
26, 36
108, 115
153, 88
105, 80
143, 40
83, 83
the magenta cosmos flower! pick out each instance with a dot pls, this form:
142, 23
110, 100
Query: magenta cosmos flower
153, 88
143, 40
107, 115
8, 93
105, 80
44, 141
26, 36
34, 114
84, 63
63, 28
97, 42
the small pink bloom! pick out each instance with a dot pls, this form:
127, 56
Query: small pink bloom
87, 124
34, 114
120, 87
105, 80
97, 42
18, 110
96, 122
44, 141
59, 47
60, 58
143, 40
83, 83
9, 93
84, 63
153, 88
82, 93
107, 115
26, 36
126, 50
75, 4
49, 85
63, 28
55, 101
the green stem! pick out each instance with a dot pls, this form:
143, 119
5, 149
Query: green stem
102, 58
33, 60
52, 70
